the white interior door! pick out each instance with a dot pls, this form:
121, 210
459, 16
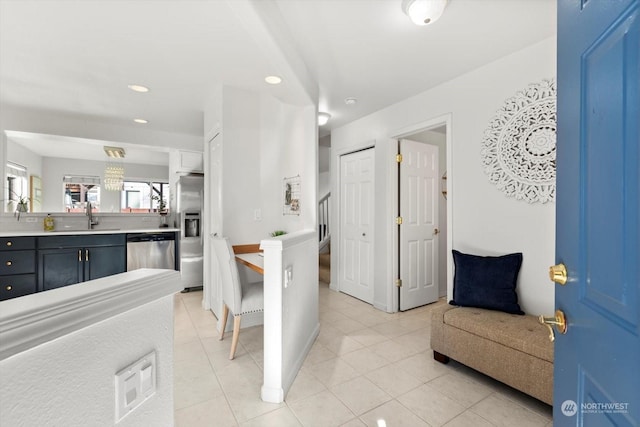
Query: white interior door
213, 224
355, 270
419, 179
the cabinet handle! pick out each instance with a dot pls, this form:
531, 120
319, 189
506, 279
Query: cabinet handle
9, 263
9, 243
79, 255
86, 254
8, 287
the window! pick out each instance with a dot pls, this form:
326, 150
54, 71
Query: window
78, 190
16, 188
144, 197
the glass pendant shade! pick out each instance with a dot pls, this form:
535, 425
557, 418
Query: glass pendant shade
424, 12
113, 177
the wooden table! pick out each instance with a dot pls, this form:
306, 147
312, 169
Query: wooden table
251, 256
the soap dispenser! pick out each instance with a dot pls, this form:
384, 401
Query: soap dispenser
48, 223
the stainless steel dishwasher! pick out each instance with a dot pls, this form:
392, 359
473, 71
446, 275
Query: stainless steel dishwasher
151, 250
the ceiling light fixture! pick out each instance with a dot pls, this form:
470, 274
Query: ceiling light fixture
138, 88
323, 118
273, 80
114, 169
424, 12
350, 101
141, 121
114, 152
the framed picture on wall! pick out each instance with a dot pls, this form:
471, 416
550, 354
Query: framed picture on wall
291, 196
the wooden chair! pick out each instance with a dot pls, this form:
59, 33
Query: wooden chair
237, 297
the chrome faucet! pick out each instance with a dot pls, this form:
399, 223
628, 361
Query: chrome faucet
90, 221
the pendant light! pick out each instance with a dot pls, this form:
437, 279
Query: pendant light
114, 169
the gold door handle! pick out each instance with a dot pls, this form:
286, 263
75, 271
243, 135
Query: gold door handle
558, 274
9, 263
86, 254
559, 320
8, 287
79, 255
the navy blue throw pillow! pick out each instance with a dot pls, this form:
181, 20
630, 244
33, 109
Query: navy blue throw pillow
486, 281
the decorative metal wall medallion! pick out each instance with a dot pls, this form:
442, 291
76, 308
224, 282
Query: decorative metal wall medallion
519, 146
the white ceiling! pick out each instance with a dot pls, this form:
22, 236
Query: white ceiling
87, 149
77, 57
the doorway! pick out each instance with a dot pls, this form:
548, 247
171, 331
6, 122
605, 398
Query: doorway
212, 221
418, 221
422, 266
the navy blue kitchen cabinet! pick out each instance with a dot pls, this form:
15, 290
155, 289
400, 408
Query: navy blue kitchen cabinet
66, 260
17, 267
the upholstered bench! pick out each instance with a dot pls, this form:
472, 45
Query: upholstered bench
514, 349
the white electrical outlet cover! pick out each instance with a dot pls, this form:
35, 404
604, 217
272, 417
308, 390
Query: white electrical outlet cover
135, 384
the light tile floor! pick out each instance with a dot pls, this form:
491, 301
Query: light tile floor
365, 366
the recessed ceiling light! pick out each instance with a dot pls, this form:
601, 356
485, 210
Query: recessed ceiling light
273, 80
141, 121
350, 101
138, 88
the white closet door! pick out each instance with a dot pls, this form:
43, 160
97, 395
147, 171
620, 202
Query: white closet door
356, 224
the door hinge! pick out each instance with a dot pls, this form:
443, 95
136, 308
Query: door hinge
399, 283
399, 220
398, 158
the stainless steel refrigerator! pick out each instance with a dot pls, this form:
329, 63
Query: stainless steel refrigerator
189, 203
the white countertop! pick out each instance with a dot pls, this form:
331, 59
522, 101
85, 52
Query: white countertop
80, 232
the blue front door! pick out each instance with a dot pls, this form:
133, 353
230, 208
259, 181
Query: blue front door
597, 361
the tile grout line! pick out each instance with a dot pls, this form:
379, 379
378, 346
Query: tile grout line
328, 303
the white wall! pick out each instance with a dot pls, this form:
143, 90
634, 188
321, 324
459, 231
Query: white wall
484, 220
291, 321
264, 141
324, 170
27, 158
54, 169
324, 183
324, 158
70, 381
45, 122
51, 123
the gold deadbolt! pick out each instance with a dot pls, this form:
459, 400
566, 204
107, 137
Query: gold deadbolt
558, 274
8, 287
8, 263
559, 320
